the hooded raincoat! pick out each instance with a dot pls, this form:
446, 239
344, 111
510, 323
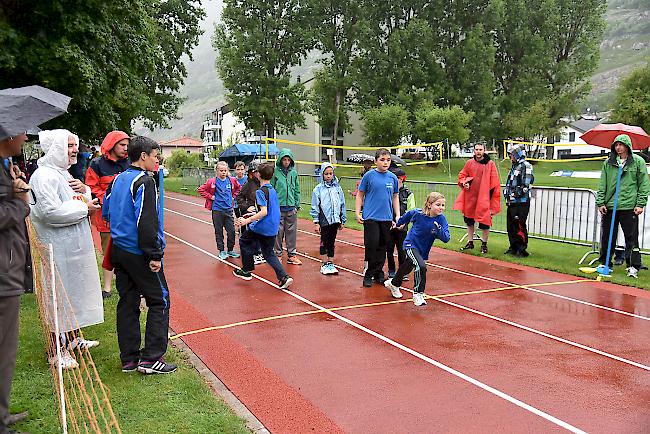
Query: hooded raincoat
483, 199
286, 184
60, 218
328, 201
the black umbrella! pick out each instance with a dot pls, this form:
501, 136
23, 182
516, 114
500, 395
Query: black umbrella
397, 160
25, 108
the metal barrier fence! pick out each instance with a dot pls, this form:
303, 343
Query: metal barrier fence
567, 215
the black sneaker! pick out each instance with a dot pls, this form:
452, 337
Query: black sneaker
468, 246
107, 294
129, 367
246, 275
156, 367
285, 282
484, 248
367, 281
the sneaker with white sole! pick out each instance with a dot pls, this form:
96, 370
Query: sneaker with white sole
394, 290
285, 282
258, 259
223, 255
67, 361
82, 344
324, 269
632, 272
333, 269
418, 299
159, 366
233, 254
246, 275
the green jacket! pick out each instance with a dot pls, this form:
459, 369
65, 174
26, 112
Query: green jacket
286, 186
635, 185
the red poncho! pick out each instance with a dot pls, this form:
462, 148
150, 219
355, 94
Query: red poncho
483, 199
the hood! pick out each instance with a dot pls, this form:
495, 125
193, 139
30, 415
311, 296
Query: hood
110, 140
519, 152
284, 152
335, 180
54, 144
624, 139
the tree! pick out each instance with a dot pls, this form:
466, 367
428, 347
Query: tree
632, 104
385, 126
434, 123
119, 60
259, 41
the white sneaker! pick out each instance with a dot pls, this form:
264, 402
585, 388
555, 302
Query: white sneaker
633, 272
418, 299
333, 269
324, 269
82, 344
67, 361
394, 290
258, 259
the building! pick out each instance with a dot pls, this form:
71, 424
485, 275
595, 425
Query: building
570, 134
185, 143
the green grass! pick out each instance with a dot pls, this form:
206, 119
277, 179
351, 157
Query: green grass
177, 403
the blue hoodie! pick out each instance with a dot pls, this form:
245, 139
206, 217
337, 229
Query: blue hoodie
328, 201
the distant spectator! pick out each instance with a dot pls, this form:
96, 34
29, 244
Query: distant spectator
517, 193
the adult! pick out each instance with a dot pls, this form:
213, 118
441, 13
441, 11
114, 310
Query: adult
632, 198
15, 271
60, 217
517, 194
479, 198
103, 169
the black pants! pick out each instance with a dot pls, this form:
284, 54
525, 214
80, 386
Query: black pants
9, 308
517, 230
413, 261
630, 225
221, 220
250, 243
395, 239
132, 279
375, 239
327, 239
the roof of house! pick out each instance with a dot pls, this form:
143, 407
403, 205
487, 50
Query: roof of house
184, 141
584, 125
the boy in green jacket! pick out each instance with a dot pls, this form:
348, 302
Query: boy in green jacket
632, 198
285, 183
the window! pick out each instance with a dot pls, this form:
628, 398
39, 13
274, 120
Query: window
572, 137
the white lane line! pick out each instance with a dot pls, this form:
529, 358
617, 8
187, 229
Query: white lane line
478, 276
486, 315
404, 348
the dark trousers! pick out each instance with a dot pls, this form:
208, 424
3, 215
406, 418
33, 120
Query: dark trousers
516, 223
630, 225
133, 278
395, 239
413, 261
250, 243
375, 239
9, 309
327, 239
221, 220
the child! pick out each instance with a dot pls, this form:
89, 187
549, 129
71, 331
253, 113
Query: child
328, 212
132, 207
428, 224
246, 200
397, 236
262, 229
285, 183
378, 196
240, 168
219, 194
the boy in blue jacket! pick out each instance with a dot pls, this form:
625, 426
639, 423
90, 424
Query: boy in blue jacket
132, 207
328, 213
427, 225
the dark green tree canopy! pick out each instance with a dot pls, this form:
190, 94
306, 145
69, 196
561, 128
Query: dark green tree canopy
119, 60
632, 105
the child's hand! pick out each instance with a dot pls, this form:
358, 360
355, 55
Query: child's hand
400, 227
316, 227
359, 219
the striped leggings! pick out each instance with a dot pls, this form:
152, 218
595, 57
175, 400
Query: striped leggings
414, 262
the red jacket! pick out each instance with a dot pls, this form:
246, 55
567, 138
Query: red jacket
102, 171
483, 199
207, 191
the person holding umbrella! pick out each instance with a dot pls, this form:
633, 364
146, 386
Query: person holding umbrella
630, 198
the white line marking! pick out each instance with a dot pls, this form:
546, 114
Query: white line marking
406, 349
486, 315
501, 282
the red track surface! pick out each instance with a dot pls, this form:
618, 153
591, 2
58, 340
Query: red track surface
538, 363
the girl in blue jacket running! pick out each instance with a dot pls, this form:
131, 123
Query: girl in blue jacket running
427, 224
328, 213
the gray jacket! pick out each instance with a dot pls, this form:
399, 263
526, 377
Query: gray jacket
15, 265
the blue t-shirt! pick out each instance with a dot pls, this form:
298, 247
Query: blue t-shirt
242, 180
379, 189
424, 231
222, 195
269, 224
